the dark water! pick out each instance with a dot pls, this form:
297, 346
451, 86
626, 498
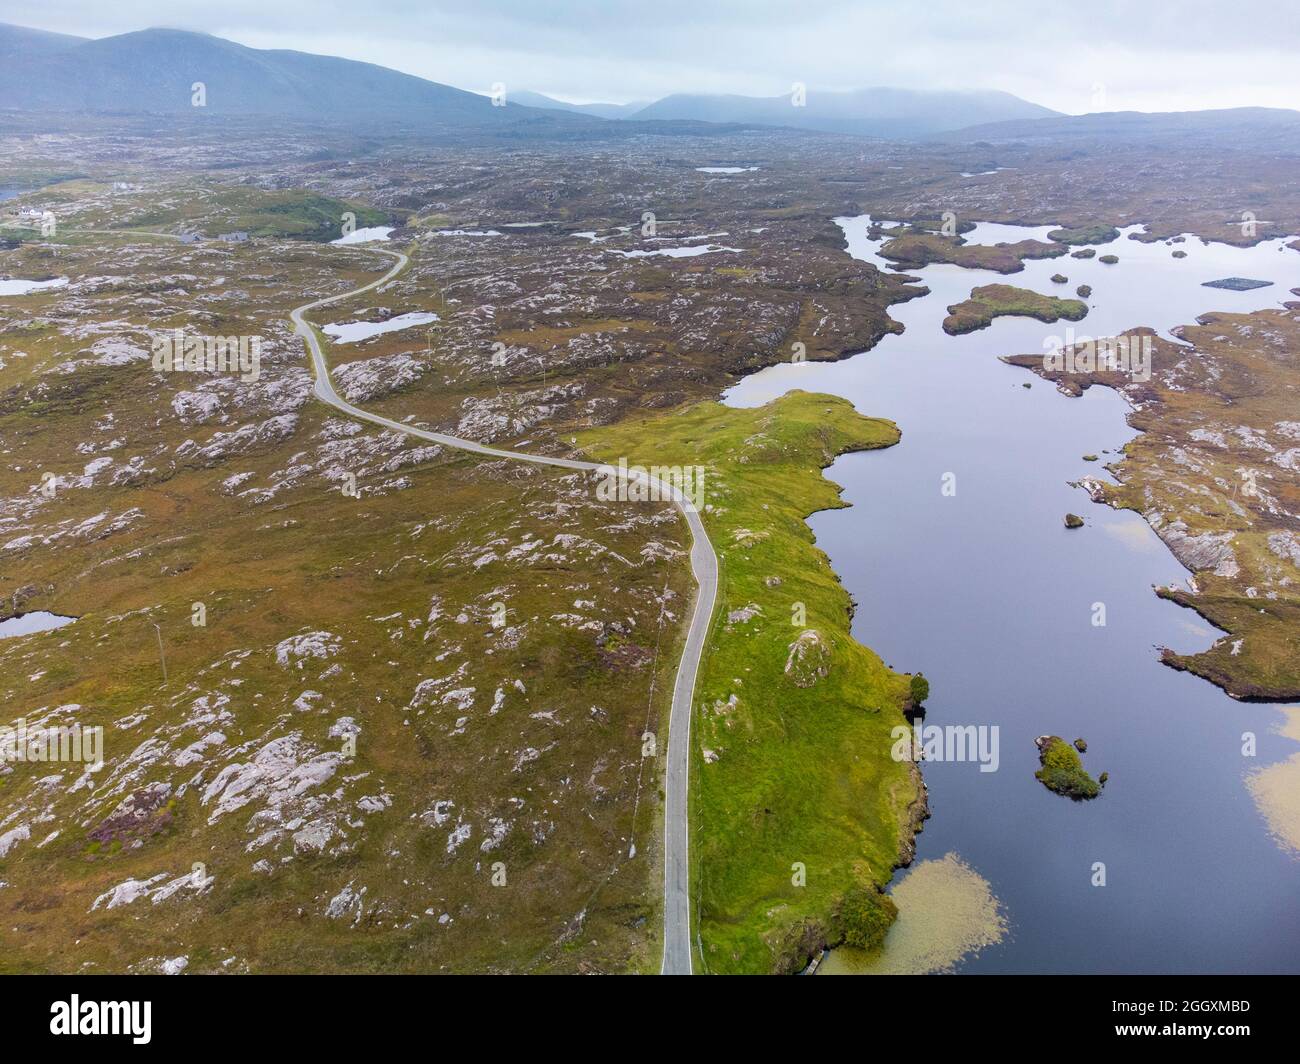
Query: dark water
992, 598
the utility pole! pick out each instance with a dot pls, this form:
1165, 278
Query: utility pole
161, 657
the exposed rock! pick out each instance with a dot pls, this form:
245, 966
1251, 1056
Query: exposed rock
808, 660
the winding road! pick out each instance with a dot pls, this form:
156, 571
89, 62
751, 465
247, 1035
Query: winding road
704, 566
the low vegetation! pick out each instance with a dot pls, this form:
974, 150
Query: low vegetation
1213, 473
292, 213
796, 802
1085, 234
865, 917
1063, 770
996, 300
914, 250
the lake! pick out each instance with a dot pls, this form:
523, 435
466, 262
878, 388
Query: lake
36, 621
991, 597
20, 287
351, 332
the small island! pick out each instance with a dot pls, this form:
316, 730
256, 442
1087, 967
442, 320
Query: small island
1062, 770
996, 300
1073, 521
1236, 284
1109, 260
1083, 291
911, 247
1085, 234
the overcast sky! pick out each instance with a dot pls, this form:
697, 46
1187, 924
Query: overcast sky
1076, 57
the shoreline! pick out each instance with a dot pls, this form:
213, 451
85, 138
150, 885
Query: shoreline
793, 756
1225, 566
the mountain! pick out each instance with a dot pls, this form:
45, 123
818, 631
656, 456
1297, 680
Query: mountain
154, 71
1272, 123
19, 42
599, 110
877, 112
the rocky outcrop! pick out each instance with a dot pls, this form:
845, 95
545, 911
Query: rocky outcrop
808, 660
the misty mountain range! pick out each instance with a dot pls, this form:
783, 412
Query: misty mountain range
874, 112
155, 71
879, 112
599, 110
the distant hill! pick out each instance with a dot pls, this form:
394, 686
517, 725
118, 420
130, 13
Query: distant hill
599, 110
878, 112
153, 71
19, 42
1261, 122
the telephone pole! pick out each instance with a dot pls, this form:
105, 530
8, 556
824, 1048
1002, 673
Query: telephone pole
161, 656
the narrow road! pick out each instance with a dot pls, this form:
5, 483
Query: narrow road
704, 566
119, 232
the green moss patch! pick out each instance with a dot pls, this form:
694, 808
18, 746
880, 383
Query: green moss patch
1085, 234
1063, 770
995, 300
294, 213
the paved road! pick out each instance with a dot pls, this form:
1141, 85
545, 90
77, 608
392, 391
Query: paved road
704, 566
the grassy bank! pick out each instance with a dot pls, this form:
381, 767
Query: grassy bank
795, 800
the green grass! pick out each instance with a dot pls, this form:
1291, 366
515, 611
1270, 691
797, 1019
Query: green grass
996, 300
1085, 234
1063, 770
917, 249
293, 213
1266, 662
866, 916
803, 774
